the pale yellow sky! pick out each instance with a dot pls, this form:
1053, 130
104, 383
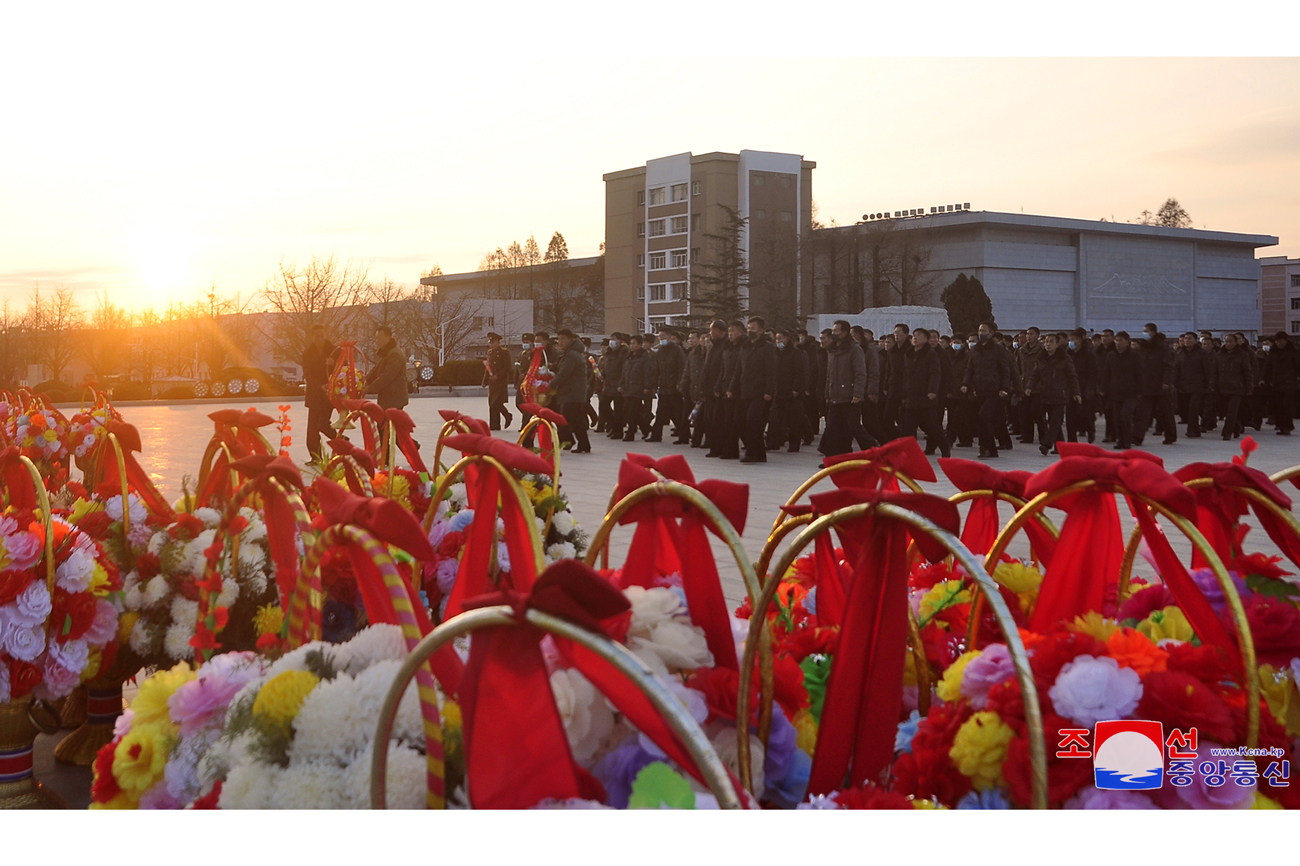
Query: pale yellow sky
153, 160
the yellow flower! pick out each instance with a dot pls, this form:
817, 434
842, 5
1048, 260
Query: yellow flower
942, 595
805, 727
268, 620
99, 582
1167, 623
928, 804
1279, 691
949, 688
278, 702
81, 508
139, 758
1096, 625
125, 623
181, 506
123, 800
1023, 580
979, 749
1262, 802
150, 704
451, 718
93, 662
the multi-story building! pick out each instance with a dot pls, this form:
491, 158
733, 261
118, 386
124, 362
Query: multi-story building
664, 224
1052, 272
1279, 295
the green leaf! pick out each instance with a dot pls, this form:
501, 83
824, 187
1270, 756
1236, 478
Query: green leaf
816, 672
1280, 589
657, 784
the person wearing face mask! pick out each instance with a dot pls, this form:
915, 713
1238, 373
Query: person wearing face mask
961, 408
1122, 386
1081, 417
787, 422
640, 373
1261, 404
1156, 399
615, 364
1236, 381
846, 382
1056, 385
670, 360
988, 382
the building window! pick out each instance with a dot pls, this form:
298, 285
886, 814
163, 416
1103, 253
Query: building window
760, 213
677, 291
478, 323
695, 222
695, 254
757, 179
640, 292
679, 258
656, 228
1295, 281
679, 225
785, 181
640, 260
657, 261
640, 198
656, 196
679, 192
640, 230
1295, 327
1295, 303
657, 291
695, 188
786, 216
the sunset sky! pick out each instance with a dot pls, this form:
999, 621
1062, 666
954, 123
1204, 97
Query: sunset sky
153, 156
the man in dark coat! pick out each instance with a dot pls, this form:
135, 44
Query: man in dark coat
1081, 417
961, 410
988, 381
1236, 381
1121, 388
1032, 416
812, 400
1194, 370
1156, 400
1282, 374
640, 374
1056, 385
615, 363
691, 387
570, 389
846, 383
788, 423
889, 425
946, 385
670, 361
922, 384
757, 383
497, 377
731, 418
387, 378
707, 431
316, 365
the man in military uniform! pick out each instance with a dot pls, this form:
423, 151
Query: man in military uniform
497, 379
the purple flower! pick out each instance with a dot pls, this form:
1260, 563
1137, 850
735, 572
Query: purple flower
617, 770
1209, 584
32, 605
992, 667
200, 701
1096, 798
1199, 795
780, 749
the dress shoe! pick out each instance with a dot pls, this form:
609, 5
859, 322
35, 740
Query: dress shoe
748, 459
630, 438
793, 449
580, 451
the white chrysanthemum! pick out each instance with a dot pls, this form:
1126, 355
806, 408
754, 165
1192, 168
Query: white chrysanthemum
328, 726
133, 598
255, 531
541, 525
144, 639
563, 522
561, 550
75, 572
113, 507
250, 785
184, 610
587, 718
194, 559
252, 559
571, 804
458, 495
229, 593
375, 643
296, 660
176, 642
725, 744
407, 779
311, 785
156, 590
210, 516
373, 684
157, 541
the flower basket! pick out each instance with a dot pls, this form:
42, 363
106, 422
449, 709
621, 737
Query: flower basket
18, 787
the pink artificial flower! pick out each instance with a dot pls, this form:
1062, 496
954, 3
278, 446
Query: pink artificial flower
993, 667
104, 628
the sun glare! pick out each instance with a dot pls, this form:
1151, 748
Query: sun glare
162, 257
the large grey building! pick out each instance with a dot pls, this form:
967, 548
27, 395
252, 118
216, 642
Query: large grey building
1052, 272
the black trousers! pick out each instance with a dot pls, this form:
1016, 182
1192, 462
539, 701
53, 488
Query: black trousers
843, 426
1032, 418
787, 423
634, 413
1193, 414
669, 411
576, 414
618, 412
1052, 432
703, 419
756, 410
1284, 400
813, 416
993, 427
724, 437
318, 425
1157, 406
497, 408
1231, 404
606, 404
524, 417
1124, 412
925, 417
961, 419
1081, 419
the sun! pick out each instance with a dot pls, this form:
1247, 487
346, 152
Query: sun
162, 258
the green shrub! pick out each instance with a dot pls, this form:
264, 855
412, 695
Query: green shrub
130, 391
58, 392
178, 392
460, 373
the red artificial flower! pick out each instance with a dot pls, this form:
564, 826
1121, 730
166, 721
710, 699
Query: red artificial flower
188, 587
803, 642
721, 687
104, 787
451, 544
78, 490
107, 657
1274, 627
209, 800
149, 565
1008, 702
1056, 650
788, 689
927, 575
95, 524
1180, 700
237, 525
1208, 663
23, 677
927, 771
267, 642
72, 615
1144, 602
1065, 776
870, 796
943, 646
1258, 563
12, 584
188, 527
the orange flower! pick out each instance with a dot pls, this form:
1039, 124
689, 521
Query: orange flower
1030, 639
1132, 649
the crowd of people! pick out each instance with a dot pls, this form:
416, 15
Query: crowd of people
740, 389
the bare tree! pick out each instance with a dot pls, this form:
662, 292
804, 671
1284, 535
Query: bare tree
51, 320
14, 346
105, 346
323, 291
532, 259
441, 320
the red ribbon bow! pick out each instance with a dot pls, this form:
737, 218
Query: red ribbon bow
660, 545
17, 480
403, 426
901, 455
546, 445
238, 432
1085, 564
483, 492
516, 749
344, 448
864, 694
475, 425
982, 523
281, 517
1219, 508
129, 438
372, 417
